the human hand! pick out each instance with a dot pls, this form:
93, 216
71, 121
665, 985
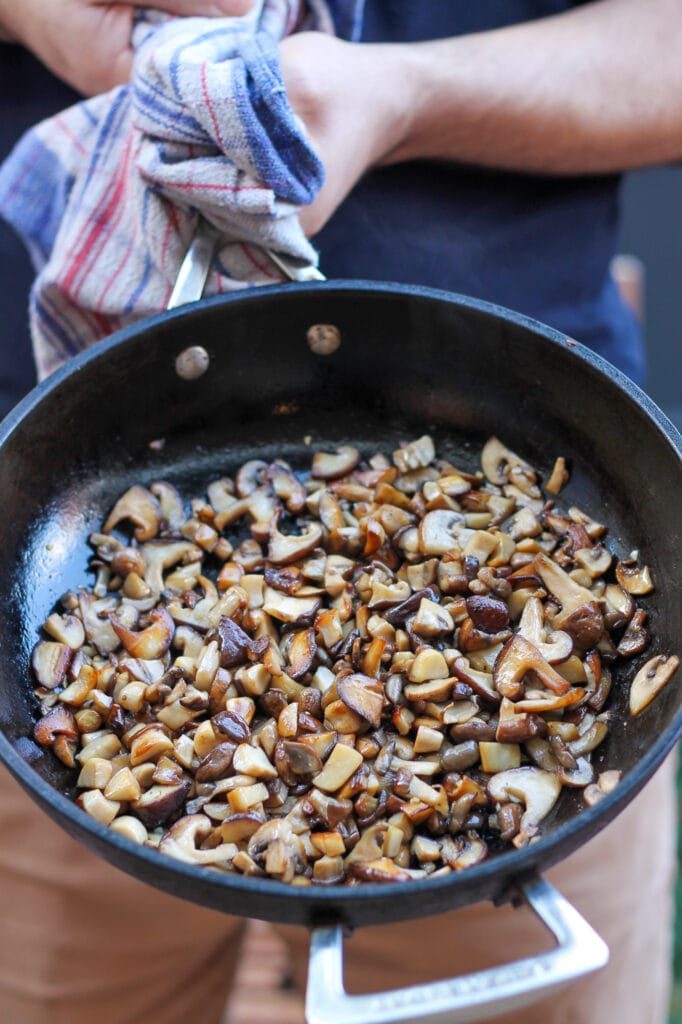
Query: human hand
355, 101
87, 43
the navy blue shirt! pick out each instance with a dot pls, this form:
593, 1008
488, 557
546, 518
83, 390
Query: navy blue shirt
536, 244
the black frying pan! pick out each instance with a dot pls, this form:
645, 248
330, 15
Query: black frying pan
411, 360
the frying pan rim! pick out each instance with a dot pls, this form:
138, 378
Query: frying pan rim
579, 827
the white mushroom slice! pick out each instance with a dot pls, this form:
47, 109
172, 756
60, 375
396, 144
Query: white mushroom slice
415, 455
428, 664
498, 461
287, 486
331, 466
98, 631
221, 494
141, 508
339, 766
170, 503
579, 777
557, 647
50, 662
595, 560
515, 660
250, 477
67, 629
558, 478
432, 619
537, 789
284, 549
580, 615
161, 555
150, 643
541, 705
499, 757
651, 679
634, 579
253, 761
440, 531
182, 839
289, 609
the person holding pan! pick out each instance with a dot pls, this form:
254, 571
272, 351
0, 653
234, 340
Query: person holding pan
471, 147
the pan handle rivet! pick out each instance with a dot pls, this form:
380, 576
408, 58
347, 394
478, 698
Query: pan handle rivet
192, 362
323, 339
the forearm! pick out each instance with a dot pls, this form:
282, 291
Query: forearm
594, 90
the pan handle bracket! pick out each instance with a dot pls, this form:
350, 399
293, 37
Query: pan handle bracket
469, 998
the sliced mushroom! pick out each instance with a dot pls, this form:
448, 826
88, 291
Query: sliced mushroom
170, 504
440, 531
250, 477
67, 629
415, 455
541, 705
620, 607
158, 803
383, 869
464, 851
636, 637
217, 764
183, 838
160, 555
515, 660
328, 466
651, 679
557, 647
432, 620
488, 613
363, 695
98, 631
580, 776
498, 461
596, 560
480, 682
296, 761
537, 789
50, 662
290, 609
301, 653
580, 614
235, 644
140, 507
634, 579
284, 549
149, 643
58, 721
287, 486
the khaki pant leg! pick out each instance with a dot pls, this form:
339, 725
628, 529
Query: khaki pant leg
83, 943
621, 882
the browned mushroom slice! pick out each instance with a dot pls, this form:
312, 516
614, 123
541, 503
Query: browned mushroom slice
301, 652
217, 764
498, 462
240, 827
160, 555
557, 647
183, 838
287, 486
441, 530
235, 644
620, 606
488, 613
432, 620
50, 662
580, 776
559, 476
293, 758
381, 870
140, 507
149, 643
158, 803
537, 789
170, 504
58, 721
290, 609
284, 548
651, 679
480, 682
98, 631
250, 477
331, 466
634, 579
363, 695
636, 637
66, 629
415, 455
540, 705
515, 660
580, 615
464, 851
232, 725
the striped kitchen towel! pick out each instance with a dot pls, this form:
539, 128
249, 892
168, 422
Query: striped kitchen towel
108, 194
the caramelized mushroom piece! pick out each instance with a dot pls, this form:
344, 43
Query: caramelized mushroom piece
183, 838
537, 789
150, 643
170, 504
158, 803
651, 679
50, 662
287, 486
250, 477
328, 466
140, 507
557, 647
284, 549
580, 614
634, 579
636, 637
515, 660
440, 531
58, 721
498, 462
363, 695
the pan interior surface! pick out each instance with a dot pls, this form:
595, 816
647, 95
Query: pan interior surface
410, 362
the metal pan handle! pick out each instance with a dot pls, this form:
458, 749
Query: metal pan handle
463, 1000
196, 266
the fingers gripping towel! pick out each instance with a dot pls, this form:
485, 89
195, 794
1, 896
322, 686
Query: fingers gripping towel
108, 194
